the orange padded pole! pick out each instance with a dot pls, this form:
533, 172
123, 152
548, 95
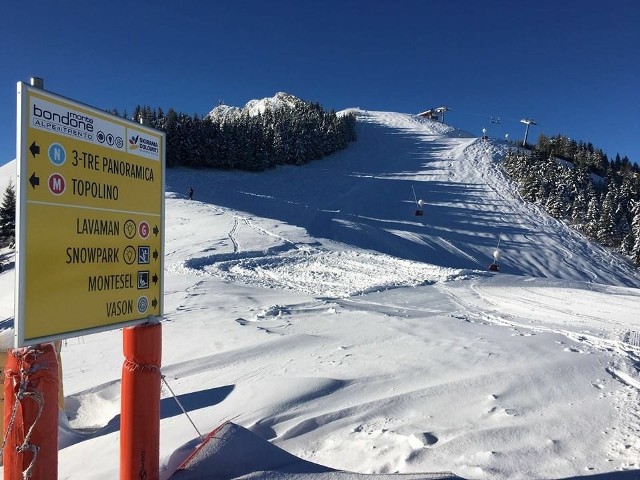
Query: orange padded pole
140, 407
3, 364
31, 414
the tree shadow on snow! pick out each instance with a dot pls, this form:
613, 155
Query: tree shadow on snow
624, 475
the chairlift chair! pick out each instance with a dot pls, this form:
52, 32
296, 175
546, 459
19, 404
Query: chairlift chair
419, 204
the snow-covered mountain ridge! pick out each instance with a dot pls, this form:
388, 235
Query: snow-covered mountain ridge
280, 100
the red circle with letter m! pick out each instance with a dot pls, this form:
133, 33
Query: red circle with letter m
57, 184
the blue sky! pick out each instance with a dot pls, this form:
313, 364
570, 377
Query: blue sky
573, 66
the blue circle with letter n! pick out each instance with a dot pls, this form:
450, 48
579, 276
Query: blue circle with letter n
57, 155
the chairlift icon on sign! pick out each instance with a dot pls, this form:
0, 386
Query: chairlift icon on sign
143, 280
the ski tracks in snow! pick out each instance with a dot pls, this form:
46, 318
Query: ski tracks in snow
304, 265
246, 221
526, 310
523, 307
527, 305
232, 237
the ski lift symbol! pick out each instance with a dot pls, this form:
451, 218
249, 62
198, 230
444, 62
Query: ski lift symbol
495, 120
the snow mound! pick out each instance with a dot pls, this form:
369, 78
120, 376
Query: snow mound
224, 455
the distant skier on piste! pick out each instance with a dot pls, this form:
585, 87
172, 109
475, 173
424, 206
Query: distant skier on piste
190, 193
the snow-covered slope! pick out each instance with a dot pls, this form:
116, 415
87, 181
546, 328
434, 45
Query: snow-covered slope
311, 307
364, 196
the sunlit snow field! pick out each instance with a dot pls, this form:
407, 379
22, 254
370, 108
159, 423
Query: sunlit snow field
310, 306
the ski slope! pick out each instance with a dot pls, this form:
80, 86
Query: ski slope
363, 196
312, 308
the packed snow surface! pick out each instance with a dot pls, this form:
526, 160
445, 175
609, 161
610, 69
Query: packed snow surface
312, 308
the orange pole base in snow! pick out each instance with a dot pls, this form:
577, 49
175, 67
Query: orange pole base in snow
140, 407
31, 414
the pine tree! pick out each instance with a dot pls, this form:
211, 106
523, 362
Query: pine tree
624, 236
8, 214
635, 230
605, 233
593, 216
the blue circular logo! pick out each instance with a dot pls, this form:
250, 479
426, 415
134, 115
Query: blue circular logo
57, 155
143, 304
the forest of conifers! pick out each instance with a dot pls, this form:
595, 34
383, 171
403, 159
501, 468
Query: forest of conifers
578, 184
295, 133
